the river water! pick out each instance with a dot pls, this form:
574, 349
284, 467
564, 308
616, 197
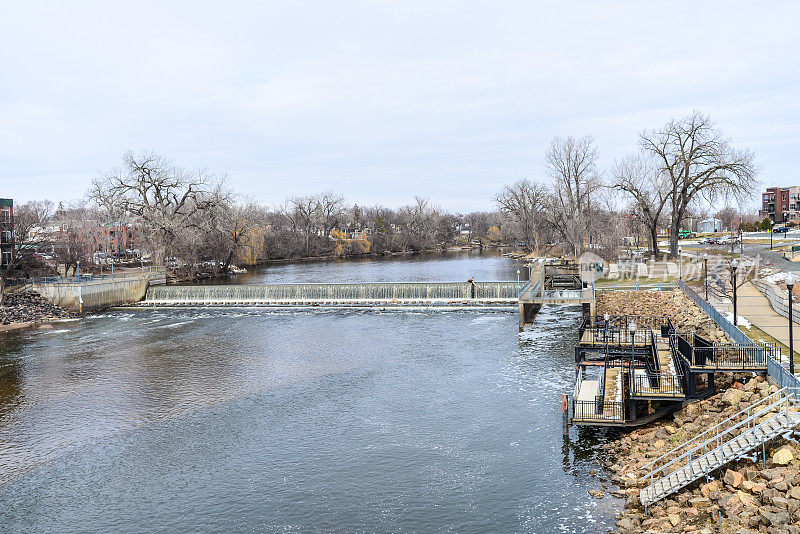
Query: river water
248, 420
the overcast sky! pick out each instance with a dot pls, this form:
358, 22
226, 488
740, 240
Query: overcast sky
381, 101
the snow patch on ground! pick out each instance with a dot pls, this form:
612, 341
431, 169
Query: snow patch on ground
776, 277
743, 323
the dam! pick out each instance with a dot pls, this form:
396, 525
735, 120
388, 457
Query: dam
559, 283
338, 295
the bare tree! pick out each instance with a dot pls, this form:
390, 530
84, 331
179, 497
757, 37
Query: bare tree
640, 177
698, 161
524, 201
572, 165
330, 211
163, 197
301, 212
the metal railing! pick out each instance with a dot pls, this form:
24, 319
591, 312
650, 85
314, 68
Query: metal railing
623, 321
658, 384
774, 367
602, 336
701, 353
558, 294
610, 411
636, 286
712, 438
91, 277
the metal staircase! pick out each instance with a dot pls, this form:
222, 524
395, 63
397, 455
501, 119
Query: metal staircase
730, 440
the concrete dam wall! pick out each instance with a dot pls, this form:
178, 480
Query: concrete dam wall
96, 294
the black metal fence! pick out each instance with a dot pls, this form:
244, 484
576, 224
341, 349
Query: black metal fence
701, 353
597, 411
602, 336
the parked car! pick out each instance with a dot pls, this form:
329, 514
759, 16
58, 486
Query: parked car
780, 230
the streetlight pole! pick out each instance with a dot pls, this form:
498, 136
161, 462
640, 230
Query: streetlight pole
789, 284
632, 330
517, 280
705, 276
771, 226
734, 265
680, 262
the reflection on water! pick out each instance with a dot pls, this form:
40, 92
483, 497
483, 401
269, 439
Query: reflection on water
259, 420
456, 266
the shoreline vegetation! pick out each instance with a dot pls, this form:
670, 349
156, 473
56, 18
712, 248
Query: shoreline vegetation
516, 254
744, 496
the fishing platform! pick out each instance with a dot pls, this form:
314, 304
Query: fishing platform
632, 369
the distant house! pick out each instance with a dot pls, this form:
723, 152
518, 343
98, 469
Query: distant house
707, 226
6, 231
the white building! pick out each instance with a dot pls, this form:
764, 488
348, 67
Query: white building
707, 226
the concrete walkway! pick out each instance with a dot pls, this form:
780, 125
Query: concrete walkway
754, 306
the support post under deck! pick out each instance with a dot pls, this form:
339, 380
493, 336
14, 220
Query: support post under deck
527, 311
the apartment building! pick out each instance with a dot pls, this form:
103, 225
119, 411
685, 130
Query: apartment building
775, 204
6, 231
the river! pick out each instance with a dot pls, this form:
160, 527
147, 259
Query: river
251, 420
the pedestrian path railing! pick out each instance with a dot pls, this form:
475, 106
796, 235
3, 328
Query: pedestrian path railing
774, 368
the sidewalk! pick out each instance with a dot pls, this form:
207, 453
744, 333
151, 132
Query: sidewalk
756, 309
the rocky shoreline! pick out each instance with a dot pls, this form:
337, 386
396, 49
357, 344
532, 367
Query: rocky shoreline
27, 308
745, 497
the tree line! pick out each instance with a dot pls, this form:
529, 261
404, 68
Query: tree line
680, 170
190, 220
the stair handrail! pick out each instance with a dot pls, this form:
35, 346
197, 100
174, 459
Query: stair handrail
718, 435
788, 400
713, 428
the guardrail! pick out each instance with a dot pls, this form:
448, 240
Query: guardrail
698, 352
90, 277
559, 294
636, 286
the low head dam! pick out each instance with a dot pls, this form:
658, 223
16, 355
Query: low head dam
356, 294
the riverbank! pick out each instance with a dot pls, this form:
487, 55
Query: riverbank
27, 309
746, 497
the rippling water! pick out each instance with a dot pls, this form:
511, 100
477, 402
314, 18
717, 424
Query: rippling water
335, 421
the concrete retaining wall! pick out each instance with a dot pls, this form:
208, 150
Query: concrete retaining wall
95, 295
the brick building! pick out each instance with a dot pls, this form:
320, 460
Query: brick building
6, 231
113, 240
775, 204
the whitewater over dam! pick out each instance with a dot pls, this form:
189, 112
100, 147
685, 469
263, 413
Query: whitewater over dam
353, 294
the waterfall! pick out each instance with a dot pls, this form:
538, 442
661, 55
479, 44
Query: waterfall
335, 292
